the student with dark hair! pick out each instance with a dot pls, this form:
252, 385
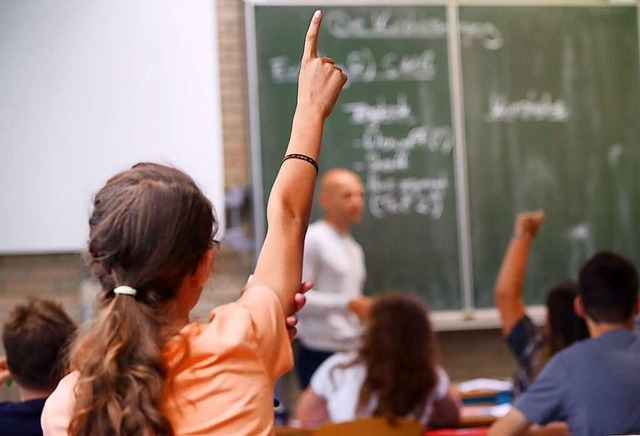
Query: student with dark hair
142, 368
593, 385
35, 338
531, 347
394, 373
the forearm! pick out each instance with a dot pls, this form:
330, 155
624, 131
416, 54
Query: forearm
288, 210
510, 281
311, 410
513, 423
552, 429
289, 204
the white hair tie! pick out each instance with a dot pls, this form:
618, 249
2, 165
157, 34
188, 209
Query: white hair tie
125, 290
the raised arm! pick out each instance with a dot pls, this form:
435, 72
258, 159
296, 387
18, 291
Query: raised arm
512, 272
279, 264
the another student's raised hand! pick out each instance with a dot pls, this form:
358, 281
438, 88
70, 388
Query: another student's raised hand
528, 224
320, 80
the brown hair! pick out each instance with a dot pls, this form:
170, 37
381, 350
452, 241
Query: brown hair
399, 351
565, 326
35, 339
149, 229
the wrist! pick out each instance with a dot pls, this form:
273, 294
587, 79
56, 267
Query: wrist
309, 113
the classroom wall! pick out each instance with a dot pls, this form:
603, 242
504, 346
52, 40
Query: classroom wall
89, 89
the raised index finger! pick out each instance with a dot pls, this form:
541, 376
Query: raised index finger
311, 40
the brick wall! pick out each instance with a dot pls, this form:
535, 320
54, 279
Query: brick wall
55, 276
233, 93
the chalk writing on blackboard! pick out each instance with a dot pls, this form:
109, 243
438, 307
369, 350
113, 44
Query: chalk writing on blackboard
386, 161
403, 196
363, 66
488, 33
535, 107
435, 139
384, 23
388, 24
380, 112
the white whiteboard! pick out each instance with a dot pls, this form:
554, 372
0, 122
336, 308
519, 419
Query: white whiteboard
88, 88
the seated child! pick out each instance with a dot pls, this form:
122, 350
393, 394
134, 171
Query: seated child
529, 345
393, 374
593, 385
35, 338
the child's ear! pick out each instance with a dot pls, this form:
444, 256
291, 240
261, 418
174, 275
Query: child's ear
578, 307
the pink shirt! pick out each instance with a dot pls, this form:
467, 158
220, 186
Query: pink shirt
224, 384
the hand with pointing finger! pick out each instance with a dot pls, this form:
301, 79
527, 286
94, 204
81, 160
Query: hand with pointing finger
320, 80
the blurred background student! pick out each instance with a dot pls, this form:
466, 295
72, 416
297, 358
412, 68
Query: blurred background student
593, 385
393, 374
35, 337
530, 346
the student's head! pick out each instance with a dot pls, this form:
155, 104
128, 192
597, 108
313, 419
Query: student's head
609, 288
399, 352
35, 338
342, 197
151, 229
564, 325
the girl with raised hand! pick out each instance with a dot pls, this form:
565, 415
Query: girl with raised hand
531, 346
142, 368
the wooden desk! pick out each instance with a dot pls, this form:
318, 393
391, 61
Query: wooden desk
476, 416
476, 431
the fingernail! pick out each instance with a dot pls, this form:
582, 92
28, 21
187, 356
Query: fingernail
317, 14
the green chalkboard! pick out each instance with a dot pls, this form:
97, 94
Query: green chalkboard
392, 125
552, 124
546, 117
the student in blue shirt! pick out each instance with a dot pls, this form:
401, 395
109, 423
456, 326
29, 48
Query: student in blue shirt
532, 346
35, 339
594, 385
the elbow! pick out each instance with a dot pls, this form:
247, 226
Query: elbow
501, 296
504, 297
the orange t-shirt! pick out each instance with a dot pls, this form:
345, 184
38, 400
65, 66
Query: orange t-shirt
224, 383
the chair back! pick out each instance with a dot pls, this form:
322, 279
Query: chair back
372, 427
292, 431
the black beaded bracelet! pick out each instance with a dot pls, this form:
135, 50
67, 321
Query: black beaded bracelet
303, 157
